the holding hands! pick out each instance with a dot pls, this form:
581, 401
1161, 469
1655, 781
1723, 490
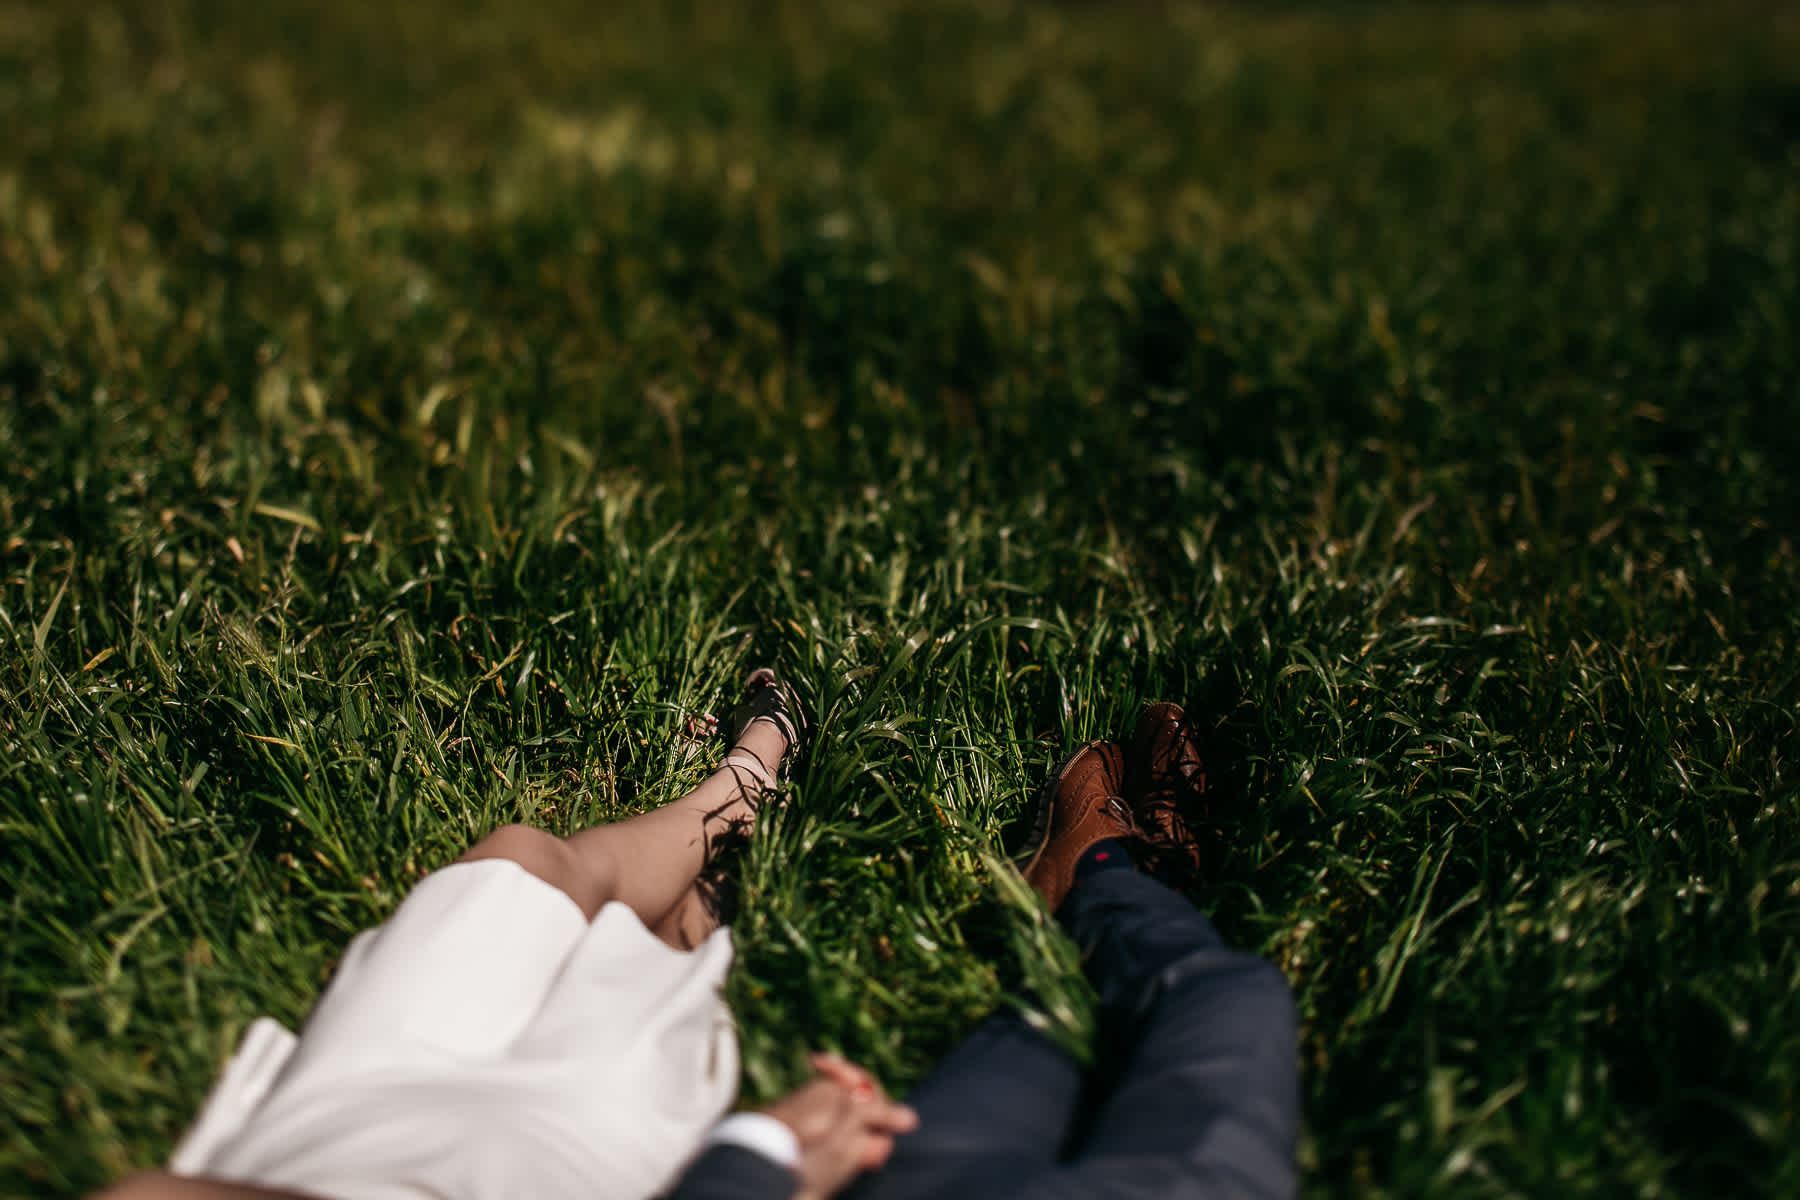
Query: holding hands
845, 1125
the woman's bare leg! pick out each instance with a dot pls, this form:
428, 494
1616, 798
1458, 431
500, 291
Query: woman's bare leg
690, 922
649, 862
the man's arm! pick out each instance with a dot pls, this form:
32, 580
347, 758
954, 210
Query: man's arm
728, 1172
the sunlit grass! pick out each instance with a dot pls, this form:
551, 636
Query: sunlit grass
408, 417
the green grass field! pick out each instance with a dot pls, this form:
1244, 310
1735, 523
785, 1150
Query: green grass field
406, 419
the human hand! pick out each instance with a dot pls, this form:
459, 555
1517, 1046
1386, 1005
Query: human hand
844, 1123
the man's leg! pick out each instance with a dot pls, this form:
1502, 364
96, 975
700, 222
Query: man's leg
1204, 1099
1200, 1092
1195, 1093
1196, 1086
1002, 1103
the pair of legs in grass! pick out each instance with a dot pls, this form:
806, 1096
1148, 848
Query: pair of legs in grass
654, 863
1193, 1092
490, 1040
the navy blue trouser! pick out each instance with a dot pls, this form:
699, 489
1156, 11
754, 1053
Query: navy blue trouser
1194, 1092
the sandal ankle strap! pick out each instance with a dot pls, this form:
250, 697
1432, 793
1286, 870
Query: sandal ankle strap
743, 760
773, 701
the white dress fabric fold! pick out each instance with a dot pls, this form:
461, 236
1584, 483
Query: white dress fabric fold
486, 1042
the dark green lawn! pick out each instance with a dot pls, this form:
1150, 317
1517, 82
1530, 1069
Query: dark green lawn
406, 419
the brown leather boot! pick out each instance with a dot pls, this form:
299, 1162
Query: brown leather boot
1166, 789
1080, 804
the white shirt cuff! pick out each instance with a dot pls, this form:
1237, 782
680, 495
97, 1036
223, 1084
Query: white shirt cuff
758, 1133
